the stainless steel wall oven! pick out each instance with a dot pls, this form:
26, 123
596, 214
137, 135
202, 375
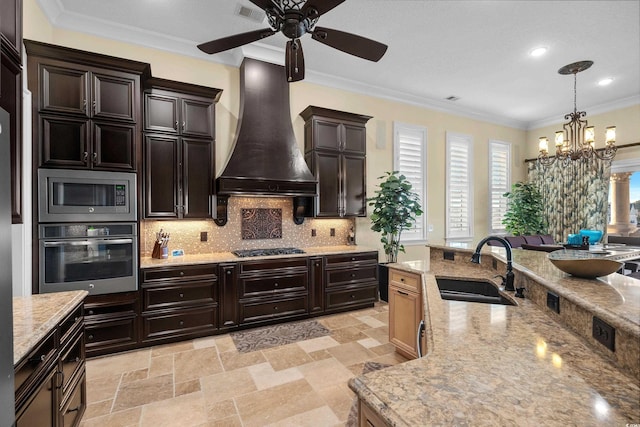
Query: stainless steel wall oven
100, 258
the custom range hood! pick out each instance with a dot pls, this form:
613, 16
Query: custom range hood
265, 159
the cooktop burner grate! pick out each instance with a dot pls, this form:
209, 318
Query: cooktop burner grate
266, 252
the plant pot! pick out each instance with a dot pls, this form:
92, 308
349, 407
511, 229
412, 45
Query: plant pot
383, 281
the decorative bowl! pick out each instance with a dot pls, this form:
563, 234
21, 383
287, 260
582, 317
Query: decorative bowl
594, 235
584, 264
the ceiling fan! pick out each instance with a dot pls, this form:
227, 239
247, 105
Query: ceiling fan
295, 18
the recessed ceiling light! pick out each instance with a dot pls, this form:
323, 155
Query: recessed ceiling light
605, 82
539, 51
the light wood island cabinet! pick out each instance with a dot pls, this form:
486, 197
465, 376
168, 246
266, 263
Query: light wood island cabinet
405, 311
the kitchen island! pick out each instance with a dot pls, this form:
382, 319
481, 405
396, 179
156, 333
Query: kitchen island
505, 365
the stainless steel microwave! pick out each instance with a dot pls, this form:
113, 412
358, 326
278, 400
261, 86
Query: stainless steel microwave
66, 195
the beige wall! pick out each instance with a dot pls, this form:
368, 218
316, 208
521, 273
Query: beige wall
379, 160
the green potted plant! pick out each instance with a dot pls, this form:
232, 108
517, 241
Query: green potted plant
524, 214
395, 209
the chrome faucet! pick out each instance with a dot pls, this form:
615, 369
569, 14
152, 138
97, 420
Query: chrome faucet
507, 281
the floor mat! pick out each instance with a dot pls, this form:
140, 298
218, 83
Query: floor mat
352, 420
272, 336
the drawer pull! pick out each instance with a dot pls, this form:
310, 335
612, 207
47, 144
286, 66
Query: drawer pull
353, 274
38, 359
402, 279
181, 295
182, 273
228, 272
403, 293
76, 319
353, 258
275, 285
90, 311
275, 308
181, 323
353, 296
90, 337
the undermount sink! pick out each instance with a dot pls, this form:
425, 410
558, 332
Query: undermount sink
483, 291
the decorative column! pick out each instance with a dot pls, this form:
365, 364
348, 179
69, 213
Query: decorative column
620, 205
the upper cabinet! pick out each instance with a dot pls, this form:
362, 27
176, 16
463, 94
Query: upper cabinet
11, 94
335, 150
86, 108
179, 149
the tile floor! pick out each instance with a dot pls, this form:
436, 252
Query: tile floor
206, 382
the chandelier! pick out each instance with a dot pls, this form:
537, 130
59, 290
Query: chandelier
577, 139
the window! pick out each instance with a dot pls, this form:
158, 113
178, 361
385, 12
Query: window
459, 161
499, 183
410, 159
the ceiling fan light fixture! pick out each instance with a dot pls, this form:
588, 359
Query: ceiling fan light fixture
606, 81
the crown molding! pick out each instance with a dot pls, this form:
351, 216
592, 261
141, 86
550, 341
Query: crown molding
595, 109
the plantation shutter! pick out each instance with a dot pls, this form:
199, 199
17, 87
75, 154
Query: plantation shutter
499, 183
459, 194
410, 145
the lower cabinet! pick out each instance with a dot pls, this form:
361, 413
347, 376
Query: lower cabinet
351, 281
179, 302
50, 382
405, 312
367, 417
111, 323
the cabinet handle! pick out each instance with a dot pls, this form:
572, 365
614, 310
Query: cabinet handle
74, 409
94, 107
181, 295
353, 274
275, 308
403, 293
402, 279
90, 337
182, 273
37, 359
352, 296
90, 312
228, 272
175, 125
183, 125
275, 285
85, 157
84, 105
95, 158
181, 323
353, 258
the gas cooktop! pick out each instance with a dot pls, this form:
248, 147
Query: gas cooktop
266, 252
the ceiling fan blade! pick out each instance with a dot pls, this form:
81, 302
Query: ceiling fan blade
294, 61
350, 43
321, 7
226, 43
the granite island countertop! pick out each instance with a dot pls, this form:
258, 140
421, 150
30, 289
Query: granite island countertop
497, 365
217, 257
34, 316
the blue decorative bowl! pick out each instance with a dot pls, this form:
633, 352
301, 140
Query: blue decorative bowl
594, 235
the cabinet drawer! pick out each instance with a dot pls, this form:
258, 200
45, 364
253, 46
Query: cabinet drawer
272, 266
111, 333
179, 323
351, 296
366, 257
351, 276
70, 324
261, 286
110, 305
265, 310
72, 411
34, 364
185, 294
184, 272
72, 360
403, 279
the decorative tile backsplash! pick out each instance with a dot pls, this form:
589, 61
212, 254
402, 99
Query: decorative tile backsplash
186, 234
258, 223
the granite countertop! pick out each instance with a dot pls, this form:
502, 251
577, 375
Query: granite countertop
35, 316
497, 365
216, 257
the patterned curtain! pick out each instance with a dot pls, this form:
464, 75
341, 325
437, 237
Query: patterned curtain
575, 196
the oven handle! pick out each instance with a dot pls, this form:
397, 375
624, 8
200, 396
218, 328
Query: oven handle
50, 243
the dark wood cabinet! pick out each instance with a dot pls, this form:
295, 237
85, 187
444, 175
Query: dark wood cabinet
86, 108
50, 382
179, 149
11, 95
351, 281
316, 285
179, 302
272, 289
111, 323
335, 150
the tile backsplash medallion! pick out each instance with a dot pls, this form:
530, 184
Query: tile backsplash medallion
258, 223
185, 234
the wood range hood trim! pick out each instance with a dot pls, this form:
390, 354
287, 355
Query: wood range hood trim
265, 159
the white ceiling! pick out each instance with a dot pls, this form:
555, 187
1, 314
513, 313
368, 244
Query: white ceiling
474, 50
